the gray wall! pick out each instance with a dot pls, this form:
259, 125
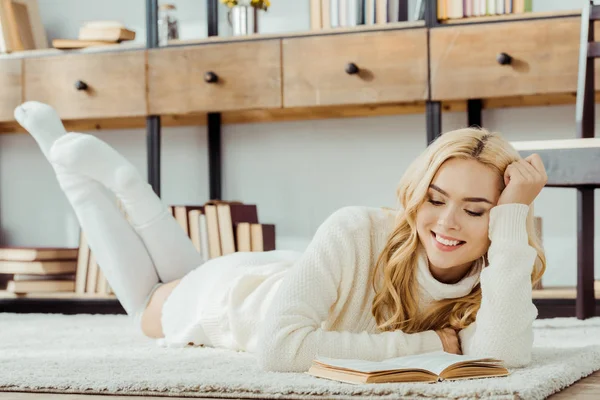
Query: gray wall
296, 172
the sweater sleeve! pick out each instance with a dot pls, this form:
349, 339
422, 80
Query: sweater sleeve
292, 336
503, 327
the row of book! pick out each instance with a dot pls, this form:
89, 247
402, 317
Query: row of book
216, 228
223, 227
326, 14
453, 9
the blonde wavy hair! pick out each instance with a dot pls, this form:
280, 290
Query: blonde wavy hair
395, 305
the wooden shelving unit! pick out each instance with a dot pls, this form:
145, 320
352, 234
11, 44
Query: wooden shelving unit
468, 77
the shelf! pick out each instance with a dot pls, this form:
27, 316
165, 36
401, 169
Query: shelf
109, 48
550, 302
306, 113
57, 295
559, 293
300, 34
512, 17
239, 117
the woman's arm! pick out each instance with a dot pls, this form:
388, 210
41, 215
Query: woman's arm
503, 326
292, 335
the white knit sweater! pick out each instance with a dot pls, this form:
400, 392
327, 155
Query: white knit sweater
287, 307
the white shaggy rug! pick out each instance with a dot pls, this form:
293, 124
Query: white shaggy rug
101, 354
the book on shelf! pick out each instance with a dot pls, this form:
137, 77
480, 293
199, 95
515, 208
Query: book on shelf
35, 277
455, 9
96, 33
21, 26
25, 283
18, 253
431, 367
89, 278
106, 31
40, 286
92, 274
326, 14
47, 267
229, 215
262, 237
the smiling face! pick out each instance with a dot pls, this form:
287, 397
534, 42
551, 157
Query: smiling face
452, 222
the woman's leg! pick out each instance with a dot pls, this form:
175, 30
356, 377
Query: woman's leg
170, 249
120, 253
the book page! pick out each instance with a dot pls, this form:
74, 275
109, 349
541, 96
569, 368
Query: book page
434, 362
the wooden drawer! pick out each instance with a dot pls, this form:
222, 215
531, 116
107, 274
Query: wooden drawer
392, 67
116, 84
249, 76
11, 94
545, 58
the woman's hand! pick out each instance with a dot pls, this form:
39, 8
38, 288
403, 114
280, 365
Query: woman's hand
450, 340
524, 180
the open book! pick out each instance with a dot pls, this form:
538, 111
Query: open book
427, 367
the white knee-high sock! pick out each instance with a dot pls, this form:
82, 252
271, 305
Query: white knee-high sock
119, 251
169, 247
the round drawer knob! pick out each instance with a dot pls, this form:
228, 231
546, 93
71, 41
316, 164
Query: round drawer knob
211, 77
503, 59
352, 69
81, 85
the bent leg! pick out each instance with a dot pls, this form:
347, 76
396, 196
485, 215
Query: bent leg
120, 253
170, 249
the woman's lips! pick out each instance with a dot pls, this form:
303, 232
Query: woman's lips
443, 247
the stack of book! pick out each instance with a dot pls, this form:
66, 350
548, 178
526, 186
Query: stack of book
454, 9
37, 269
96, 33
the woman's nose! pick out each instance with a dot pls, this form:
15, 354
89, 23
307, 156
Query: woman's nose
448, 220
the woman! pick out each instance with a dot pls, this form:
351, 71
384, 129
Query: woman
451, 270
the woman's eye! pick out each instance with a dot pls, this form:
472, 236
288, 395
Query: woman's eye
471, 213
474, 214
435, 203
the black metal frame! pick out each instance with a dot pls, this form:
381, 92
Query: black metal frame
585, 119
433, 109
214, 119
474, 107
153, 126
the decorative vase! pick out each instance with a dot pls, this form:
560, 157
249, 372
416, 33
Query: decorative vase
243, 20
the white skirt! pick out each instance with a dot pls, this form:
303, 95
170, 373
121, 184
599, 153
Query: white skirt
209, 301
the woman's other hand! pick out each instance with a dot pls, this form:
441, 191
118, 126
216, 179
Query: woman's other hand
450, 340
524, 180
